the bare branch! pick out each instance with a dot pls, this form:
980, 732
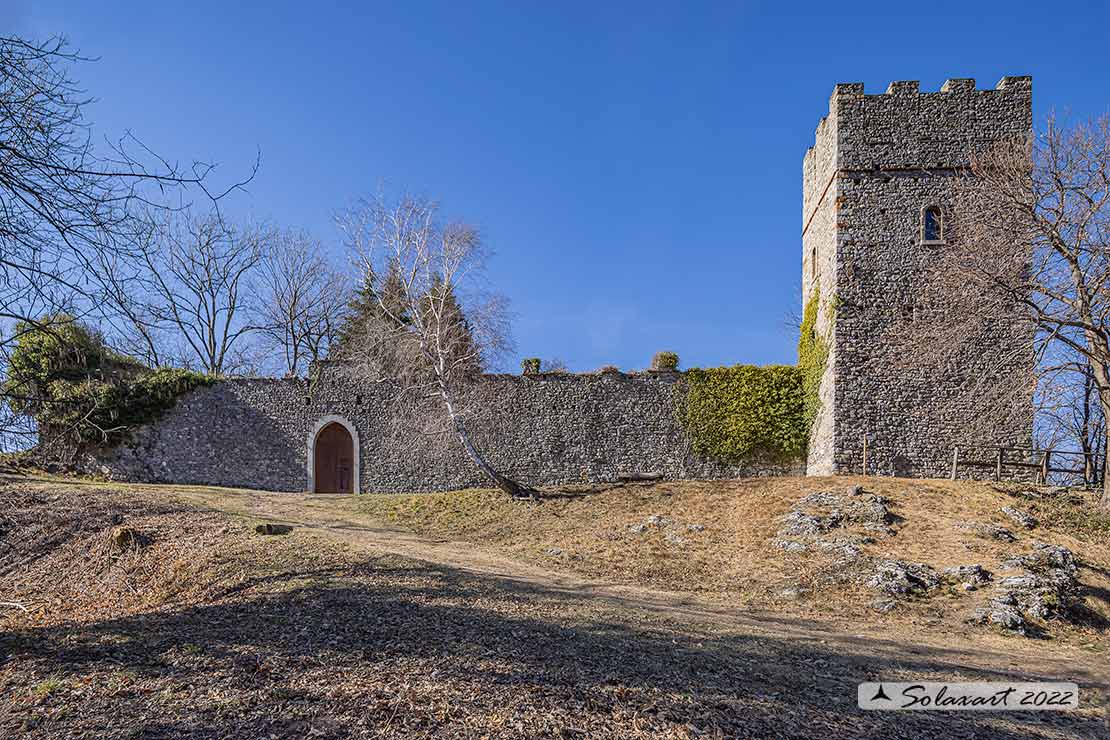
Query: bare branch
434, 328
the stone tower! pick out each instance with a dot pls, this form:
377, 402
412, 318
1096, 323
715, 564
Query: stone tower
877, 183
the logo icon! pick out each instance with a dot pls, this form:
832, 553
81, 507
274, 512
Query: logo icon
880, 694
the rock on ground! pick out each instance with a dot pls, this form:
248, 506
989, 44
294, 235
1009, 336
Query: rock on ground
990, 531
1002, 614
816, 515
660, 522
901, 578
1043, 585
1019, 517
970, 577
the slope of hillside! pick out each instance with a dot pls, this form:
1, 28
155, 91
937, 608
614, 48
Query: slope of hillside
803, 544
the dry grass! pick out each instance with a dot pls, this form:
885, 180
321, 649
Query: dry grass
588, 531
592, 527
59, 562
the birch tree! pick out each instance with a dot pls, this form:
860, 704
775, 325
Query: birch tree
441, 327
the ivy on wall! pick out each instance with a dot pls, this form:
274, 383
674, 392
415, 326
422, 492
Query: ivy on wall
744, 414
813, 356
62, 374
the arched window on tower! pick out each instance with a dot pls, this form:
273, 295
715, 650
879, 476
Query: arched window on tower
932, 226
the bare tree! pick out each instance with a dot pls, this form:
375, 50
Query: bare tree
1029, 246
301, 302
68, 205
63, 205
202, 272
442, 326
1069, 413
127, 288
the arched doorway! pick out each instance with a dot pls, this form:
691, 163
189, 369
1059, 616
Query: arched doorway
333, 457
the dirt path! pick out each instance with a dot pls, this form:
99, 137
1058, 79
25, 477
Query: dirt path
328, 516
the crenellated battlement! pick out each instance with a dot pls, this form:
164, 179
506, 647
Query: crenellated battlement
907, 128
954, 85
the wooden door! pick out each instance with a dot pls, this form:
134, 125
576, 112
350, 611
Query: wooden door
333, 467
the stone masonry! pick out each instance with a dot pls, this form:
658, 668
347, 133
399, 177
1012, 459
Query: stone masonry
877, 163
542, 430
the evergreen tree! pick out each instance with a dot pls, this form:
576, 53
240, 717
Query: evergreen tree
364, 310
393, 297
455, 332
361, 306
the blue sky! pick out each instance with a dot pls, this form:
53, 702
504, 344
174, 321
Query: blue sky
635, 166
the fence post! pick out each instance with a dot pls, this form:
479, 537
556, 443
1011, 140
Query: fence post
955, 460
1044, 468
998, 466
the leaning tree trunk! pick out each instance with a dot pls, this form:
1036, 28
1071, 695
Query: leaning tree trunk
506, 484
1104, 402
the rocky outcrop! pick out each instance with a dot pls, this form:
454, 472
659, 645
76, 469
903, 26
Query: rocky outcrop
1019, 517
811, 523
968, 577
901, 578
987, 531
1042, 585
1003, 614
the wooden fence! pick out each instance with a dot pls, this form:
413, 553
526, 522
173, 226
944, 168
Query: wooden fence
1043, 462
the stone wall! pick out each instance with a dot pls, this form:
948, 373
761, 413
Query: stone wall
895, 154
819, 250
542, 430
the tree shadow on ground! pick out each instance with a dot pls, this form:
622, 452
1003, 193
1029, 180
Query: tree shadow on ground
391, 646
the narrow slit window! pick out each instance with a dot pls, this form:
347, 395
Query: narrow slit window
931, 230
813, 263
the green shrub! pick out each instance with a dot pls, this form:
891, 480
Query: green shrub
58, 349
664, 361
813, 356
75, 387
530, 366
745, 413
